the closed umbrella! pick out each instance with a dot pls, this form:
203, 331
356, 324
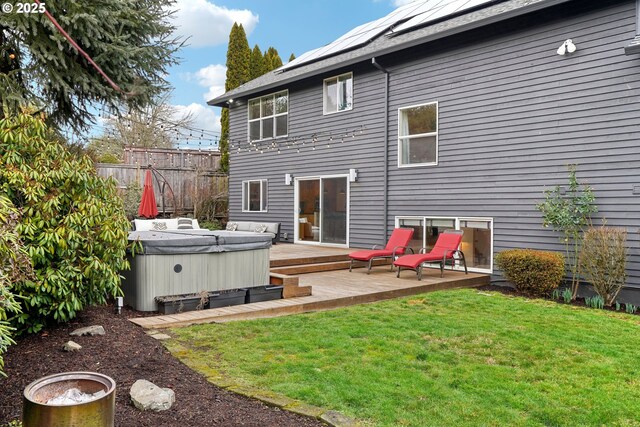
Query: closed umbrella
148, 208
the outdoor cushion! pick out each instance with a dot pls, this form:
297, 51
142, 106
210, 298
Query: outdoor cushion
185, 224
159, 225
368, 254
232, 226
413, 261
261, 228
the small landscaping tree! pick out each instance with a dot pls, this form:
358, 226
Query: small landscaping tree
603, 259
73, 224
569, 213
15, 266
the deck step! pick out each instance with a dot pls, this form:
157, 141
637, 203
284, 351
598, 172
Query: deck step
303, 260
291, 285
322, 266
311, 268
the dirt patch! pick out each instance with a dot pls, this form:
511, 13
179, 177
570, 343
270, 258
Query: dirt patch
127, 354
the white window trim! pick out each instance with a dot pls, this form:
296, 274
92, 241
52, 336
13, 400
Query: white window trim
436, 133
245, 195
324, 94
457, 225
296, 215
260, 119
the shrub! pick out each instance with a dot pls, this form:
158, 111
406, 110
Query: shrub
73, 225
532, 272
603, 259
131, 198
15, 266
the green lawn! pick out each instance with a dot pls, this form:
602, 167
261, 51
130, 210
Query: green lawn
445, 358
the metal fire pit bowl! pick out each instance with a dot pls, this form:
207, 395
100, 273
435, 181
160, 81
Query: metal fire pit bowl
98, 412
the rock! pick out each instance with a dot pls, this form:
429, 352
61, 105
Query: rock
89, 330
147, 396
71, 346
161, 337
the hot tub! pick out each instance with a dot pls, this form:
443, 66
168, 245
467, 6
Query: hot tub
180, 262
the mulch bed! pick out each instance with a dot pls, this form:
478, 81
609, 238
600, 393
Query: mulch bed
127, 354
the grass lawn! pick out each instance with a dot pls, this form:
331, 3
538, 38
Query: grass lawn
444, 358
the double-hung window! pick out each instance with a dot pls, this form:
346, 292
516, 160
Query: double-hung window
268, 116
254, 196
418, 135
338, 93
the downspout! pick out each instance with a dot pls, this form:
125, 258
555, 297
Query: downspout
385, 174
634, 46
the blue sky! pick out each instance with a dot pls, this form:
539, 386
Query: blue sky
291, 26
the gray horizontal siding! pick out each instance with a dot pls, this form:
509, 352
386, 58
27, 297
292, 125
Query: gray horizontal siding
512, 115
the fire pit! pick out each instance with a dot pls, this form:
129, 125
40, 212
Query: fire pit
84, 399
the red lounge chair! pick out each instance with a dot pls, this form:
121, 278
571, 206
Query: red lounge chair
396, 245
445, 249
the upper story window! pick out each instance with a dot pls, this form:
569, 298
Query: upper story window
338, 93
254, 196
418, 135
268, 116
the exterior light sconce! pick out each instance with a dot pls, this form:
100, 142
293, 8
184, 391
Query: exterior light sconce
567, 46
287, 179
353, 175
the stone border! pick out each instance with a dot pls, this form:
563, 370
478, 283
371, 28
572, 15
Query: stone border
332, 418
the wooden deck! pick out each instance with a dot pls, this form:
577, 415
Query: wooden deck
287, 254
331, 289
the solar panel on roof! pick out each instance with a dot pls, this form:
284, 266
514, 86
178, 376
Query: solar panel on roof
405, 17
452, 7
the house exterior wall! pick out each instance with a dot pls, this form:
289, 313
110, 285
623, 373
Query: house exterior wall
512, 115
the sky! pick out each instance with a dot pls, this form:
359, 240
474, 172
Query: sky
290, 26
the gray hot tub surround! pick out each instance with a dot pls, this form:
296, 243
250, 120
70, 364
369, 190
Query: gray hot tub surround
180, 262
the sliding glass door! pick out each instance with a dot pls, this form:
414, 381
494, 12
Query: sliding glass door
322, 210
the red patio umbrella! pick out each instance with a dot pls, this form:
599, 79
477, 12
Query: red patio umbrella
148, 207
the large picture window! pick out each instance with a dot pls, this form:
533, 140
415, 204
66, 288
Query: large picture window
268, 116
477, 237
418, 135
338, 93
254, 196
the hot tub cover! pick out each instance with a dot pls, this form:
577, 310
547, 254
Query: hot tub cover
198, 241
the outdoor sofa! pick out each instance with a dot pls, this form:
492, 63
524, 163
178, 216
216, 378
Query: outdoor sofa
271, 228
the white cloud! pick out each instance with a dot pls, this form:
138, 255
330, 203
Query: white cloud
204, 117
207, 24
212, 77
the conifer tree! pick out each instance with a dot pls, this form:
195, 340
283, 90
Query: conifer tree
131, 41
256, 63
238, 59
272, 59
292, 57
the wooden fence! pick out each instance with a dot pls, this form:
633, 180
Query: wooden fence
172, 158
178, 190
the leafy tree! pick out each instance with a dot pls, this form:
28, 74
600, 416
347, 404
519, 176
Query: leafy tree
238, 60
569, 214
256, 63
15, 266
130, 40
155, 126
73, 225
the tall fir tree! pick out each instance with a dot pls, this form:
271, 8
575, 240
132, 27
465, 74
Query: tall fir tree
256, 63
272, 59
292, 57
130, 41
238, 60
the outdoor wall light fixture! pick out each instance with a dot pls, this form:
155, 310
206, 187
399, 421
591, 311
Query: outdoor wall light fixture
567, 46
353, 175
287, 179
